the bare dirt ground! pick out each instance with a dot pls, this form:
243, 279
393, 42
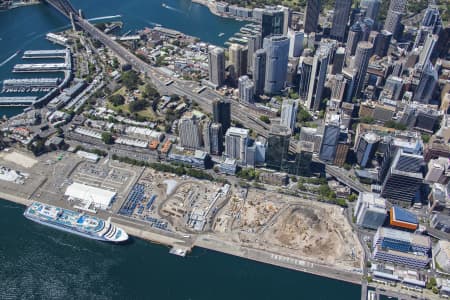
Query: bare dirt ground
21, 159
318, 232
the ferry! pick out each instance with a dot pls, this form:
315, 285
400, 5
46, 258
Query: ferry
73, 222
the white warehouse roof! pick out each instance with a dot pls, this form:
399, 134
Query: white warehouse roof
99, 197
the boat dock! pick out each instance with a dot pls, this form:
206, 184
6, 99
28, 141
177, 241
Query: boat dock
40, 68
29, 85
37, 54
17, 101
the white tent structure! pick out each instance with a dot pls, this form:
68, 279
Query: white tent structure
90, 195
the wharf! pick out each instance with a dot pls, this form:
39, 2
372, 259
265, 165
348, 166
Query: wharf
17, 101
55, 67
37, 54
30, 84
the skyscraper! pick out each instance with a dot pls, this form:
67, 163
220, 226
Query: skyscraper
381, 43
432, 19
342, 148
404, 177
206, 136
222, 114
272, 22
236, 142
277, 146
236, 55
246, 89
304, 72
340, 19
427, 49
213, 138
338, 90
365, 148
361, 62
329, 142
277, 49
428, 81
259, 70
289, 113
189, 131
338, 61
354, 37
253, 44
318, 77
311, 20
394, 16
366, 26
296, 43
431, 24
216, 63
286, 18
372, 7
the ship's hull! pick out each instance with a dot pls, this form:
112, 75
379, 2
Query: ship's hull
68, 229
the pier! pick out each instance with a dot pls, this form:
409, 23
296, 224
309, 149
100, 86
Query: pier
17, 101
29, 85
37, 54
40, 68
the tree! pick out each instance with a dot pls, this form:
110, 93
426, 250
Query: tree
138, 105
352, 197
107, 138
367, 120
293, 95
150, 91
303, 115
265, 119
425, 138
115, 63
130, 79
395, 125
116, 100
248, 174
301, 186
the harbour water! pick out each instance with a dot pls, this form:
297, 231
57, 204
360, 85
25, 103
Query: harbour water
39, 262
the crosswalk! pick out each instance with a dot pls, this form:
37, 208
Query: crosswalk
292, 261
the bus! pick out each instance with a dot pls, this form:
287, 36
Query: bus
201, 89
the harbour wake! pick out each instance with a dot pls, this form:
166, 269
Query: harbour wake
9, 59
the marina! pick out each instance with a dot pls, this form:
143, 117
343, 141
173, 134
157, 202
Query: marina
38, 85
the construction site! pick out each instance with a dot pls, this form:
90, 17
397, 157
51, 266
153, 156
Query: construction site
191, 204
312, 231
